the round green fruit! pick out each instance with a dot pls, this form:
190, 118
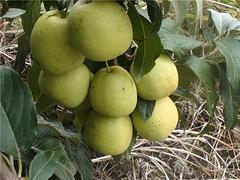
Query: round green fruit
113, 93
68, 89
160, 82
108, 135
161, 123
50, 45
101, 30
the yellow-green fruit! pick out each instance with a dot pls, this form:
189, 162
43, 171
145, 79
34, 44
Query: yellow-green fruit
108, 135
50, 45
113, 93
68, 89
162, 122
160, 82
101, 30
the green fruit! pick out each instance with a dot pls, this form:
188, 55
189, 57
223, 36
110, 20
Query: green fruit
113, 93
108, 135
160, 82
50, 45
161, 123
101, 30
68, 89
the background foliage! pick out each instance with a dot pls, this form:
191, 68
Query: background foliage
203, 41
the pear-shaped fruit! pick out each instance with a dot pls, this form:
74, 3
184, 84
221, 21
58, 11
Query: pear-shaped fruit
69, 89
108, 135
50, 45
113, 93
101, 30
161, 123
160, 82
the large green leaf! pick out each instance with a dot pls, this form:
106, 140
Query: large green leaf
181, 9
8, 142
201, 69
80, 156
145, 108
65, 169
155, 15
230, 107
58, 129
224, 21
173, 39
230, 47
18, 113
205, 73
149, 44
43, 165
63, 172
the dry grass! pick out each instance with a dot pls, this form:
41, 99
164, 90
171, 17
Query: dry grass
186, 154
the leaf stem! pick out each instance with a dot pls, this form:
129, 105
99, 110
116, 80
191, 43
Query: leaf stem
108, 68
19, 163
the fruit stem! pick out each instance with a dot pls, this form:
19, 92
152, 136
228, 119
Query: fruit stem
108, 68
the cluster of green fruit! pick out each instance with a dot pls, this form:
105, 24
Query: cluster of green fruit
103, 102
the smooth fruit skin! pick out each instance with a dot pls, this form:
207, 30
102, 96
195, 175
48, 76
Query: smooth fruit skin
160, 125
113, 93
101, 30
108, 135
68, 89
50, 45
160, 82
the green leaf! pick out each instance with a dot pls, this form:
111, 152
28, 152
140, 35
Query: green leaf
28, 20
201, 69
80, 156
139, 31
149, 44
145, 108
13, 13
63, 172
171, 27
173, 39
181, 92
224, 22
229, 47
43, 165
155, 15
18, 113
186, 76
230, 105
64, 167
33, 75
8, 142
205, 73
44, 103
181, 9
58, 128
